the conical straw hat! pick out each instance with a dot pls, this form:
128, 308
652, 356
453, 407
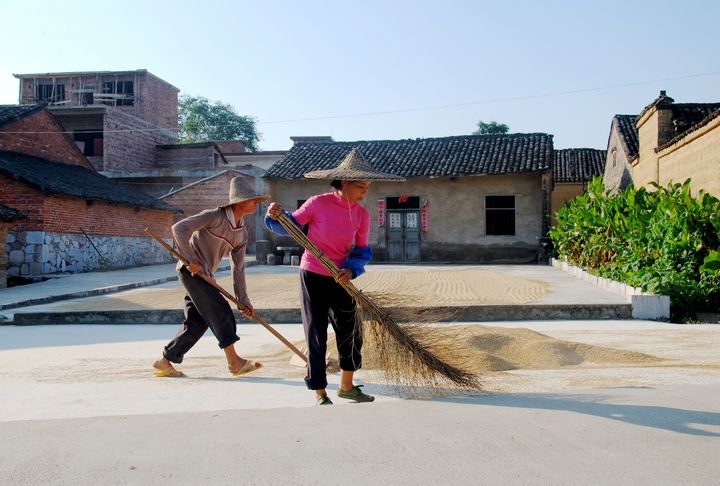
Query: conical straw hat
353, 168
241, 190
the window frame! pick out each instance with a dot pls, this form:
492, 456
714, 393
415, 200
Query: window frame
497, 221
49, 92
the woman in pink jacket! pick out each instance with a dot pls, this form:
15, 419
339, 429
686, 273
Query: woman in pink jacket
339, 226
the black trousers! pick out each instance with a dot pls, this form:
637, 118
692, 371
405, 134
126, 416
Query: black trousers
204, 307
322, 299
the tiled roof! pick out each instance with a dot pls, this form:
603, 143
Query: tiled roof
9, 214
578, 165
686, 115
707, 119
429, 157
58, 178
628, 134
11, 113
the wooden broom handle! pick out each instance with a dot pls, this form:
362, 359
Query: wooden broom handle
230, 297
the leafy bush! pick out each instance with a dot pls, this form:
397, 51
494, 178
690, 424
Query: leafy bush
664, 241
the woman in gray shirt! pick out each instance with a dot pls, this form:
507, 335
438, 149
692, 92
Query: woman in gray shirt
203, 240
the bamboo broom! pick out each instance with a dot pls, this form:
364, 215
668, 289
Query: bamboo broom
405, 360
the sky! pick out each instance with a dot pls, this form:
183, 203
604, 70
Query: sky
389, 69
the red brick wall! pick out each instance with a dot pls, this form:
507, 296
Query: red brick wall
18, 196
129, 142
68, 215
186, 157
71, 214
155, 100
158, 102
197, 197
231, 147
38, 134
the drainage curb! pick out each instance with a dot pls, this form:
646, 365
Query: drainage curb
479, 313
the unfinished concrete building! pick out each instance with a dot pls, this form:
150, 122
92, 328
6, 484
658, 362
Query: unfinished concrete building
126, 124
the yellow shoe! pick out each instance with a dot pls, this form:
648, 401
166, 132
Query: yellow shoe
247, 368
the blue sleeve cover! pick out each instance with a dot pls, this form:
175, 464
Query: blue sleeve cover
359, 256
276, 227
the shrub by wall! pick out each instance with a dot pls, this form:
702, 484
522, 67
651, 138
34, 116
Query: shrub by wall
665, 241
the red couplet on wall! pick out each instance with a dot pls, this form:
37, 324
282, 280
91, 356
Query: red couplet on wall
424, 216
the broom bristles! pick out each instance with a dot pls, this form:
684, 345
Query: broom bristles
403, 350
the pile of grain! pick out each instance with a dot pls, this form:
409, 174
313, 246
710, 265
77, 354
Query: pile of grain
485, 349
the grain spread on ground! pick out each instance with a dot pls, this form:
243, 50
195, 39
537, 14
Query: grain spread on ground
280, 291
512, 360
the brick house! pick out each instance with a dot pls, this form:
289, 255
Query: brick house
573, 169
474, 198
126, 125
676, 142
117, 118
77, 219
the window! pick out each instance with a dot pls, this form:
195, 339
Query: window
49, 93
500, 215
86, 98
90, 142
123, 92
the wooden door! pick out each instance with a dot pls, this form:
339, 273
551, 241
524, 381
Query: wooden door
403, 236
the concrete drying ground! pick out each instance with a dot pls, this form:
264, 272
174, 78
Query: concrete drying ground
79, 404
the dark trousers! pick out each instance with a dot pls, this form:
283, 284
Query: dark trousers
204, 307
323, 299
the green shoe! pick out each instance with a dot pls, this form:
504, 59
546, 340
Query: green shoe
323, 400
355, 394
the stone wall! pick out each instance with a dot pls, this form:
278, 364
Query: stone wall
34, 253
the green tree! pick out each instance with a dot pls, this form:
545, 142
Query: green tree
200, 120
492, 127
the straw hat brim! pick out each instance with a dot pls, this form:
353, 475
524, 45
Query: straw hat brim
344, 174
258, 198
354, 167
